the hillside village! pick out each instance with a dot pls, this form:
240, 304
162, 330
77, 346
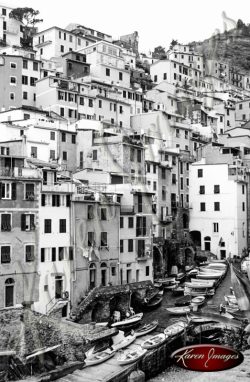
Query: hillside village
114, 165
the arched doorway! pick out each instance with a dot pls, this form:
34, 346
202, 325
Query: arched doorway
9, 292
196, 238
207, 243
103, 274
157, 261
92, 276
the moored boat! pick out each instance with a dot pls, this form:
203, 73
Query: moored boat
171, 286
208, 276
154, 341
129, 356
199, 300
128, 321
174, 329
209, 283
183, 301
178, 290
99, 357
178, 311
180, 277
147, 328
158, 285
200, 284
192, 272
121, 341
153, 303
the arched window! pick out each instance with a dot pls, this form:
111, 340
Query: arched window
92, 266
207, 238
207, 243
92, 275
103, 265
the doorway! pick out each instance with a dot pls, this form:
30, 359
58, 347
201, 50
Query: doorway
9, 292
58, 287
129, 276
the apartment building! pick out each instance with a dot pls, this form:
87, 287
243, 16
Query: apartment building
218, 199
96, 217
19, 198
10, 29
242, 111
87, 32
185, 54
219, 69
18, 76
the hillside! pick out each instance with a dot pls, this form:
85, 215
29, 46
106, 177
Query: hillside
231, 46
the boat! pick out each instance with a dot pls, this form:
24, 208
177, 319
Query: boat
130, 356
147, 328
176, 328
180, 277
121, 341
171, 286
153, 303
154, 341
178, 311
157, 285
160, 293
183, 301
165, 281
200, 320
192, 272
178, 290
128, 321
208, 276
199, 300
203, 282
199, 291
97, 348
212, 338
99, 357
200, 284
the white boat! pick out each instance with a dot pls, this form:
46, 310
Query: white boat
198, 291
160, 293
178, 311
157, 285
203, 282
128, 321
165, 281
199, 300
193, 272
96, 358
147, 328
120, 341
172, 286
180, 277
154, 341
208, 276
174, 329
130, 356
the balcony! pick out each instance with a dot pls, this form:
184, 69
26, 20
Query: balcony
59, 187
127, 210
174, 204
164, 219
19, 172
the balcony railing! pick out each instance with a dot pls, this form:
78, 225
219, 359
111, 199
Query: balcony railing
127, 210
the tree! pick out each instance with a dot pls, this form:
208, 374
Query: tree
28, 17
240, 24
159, 52
173, 43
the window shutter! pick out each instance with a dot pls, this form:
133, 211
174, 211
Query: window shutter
13, 189
144, 226
0, 190
23, 222
32, 222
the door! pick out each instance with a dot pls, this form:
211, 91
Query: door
103, 276
9, 295
137, 274
129, 276
92, 273
222, 254
58, 287
207, 246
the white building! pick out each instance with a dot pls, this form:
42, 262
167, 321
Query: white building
10, 29
218, 200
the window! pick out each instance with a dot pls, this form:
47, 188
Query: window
200, 173
7, 190
216, 189
81, 160
32, 81
120, 76
91, 239
121, 246
130, 245
35, 66
113, 271
55, 200
155, 78
29, 253
121, 222
103, 213
203, 206
52, 154
154, 186
25, 95
12, 96
132, 154
90, 102
28, 222
43, 200
107, 72
63, 137
154, 168
33, 152
164, 76
243, 206
100, 103
217, 206
42, 255
94, 155
73, 139
52, 136
62, 226
216, 227
5, 222
243, 189
141, 226
13, 80
5, 254
61, 253
240, 106
147, 270
62, 111
173, 178
130, 222
47, 225
3, 11
186, 134
139, 156
81, 101
90, 212
104, 239
65, 156
62, 49
202, 189
13, 65
29, 191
